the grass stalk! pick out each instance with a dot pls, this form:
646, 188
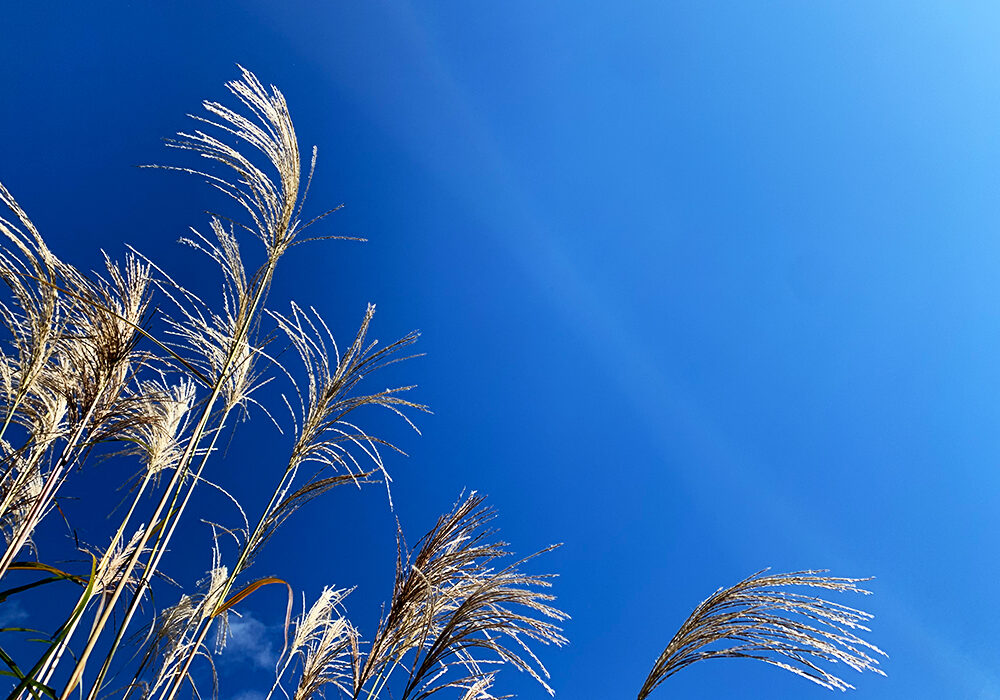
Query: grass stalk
55, 478
156, 554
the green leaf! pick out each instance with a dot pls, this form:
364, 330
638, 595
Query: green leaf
25, 683
38, 566
28, 586
59, 635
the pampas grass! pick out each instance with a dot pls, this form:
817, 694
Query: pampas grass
128, 364
758, 619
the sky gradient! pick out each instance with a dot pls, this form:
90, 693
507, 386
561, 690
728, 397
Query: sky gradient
703, 288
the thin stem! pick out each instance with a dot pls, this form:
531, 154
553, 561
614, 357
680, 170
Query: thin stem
52, 484
118, 535
205, 625
152, 563
173, 487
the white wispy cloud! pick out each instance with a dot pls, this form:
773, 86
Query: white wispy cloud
12, 613
250, 642
249, 695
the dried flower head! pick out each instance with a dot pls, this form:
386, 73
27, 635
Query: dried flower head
158, 437
453, 614
755, 619
324, 641
112, 562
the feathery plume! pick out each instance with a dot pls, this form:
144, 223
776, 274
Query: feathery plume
158, 438
324, 641
756, 620
324, 436
36, 321
20, 488
454, 614
270, 202
329, 398
111, 562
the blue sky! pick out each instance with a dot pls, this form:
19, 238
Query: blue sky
703, 288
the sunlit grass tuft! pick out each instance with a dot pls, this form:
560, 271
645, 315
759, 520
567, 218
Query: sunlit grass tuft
130, 365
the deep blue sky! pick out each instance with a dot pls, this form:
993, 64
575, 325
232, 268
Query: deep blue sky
704, 288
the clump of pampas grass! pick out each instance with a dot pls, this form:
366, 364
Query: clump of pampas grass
130, 357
